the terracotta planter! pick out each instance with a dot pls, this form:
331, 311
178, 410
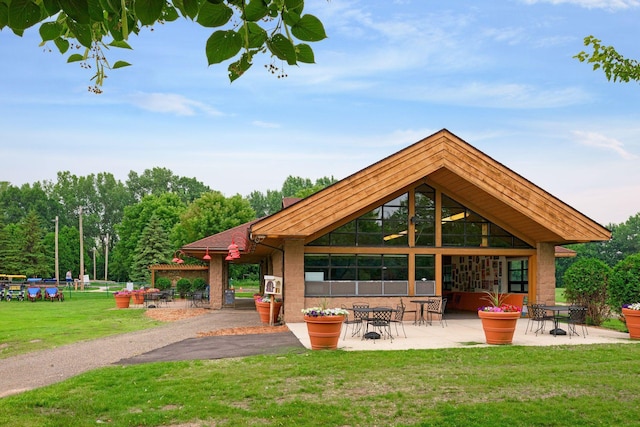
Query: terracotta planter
122, 301
499, 326
264, 308
632, 319
138, 297
324, 331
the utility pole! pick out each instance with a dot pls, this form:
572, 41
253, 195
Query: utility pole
106, 256
81, 251
57, 266
94, 264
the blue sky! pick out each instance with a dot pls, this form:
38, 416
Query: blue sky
499, 74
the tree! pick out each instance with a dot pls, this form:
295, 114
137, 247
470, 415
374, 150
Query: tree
585, 284
153, 247
161, 180
211, 214
167, 207
624, 286
615, 66
32, 251
247, 28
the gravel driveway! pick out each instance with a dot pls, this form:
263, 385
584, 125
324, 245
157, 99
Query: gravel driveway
60, 363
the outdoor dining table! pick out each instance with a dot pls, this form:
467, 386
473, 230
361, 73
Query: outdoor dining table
376, 316
420, 319
556, 309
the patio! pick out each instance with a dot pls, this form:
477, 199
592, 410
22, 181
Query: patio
464, 330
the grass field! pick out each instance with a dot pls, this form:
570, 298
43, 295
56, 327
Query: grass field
588, 385
28, 326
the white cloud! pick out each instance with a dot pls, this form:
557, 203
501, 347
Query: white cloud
266, 125
172, 103
593, 4
593, 139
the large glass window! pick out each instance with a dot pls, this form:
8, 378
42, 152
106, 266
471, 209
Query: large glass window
464, 228
386, 225
425, 216
374, 274
518, 276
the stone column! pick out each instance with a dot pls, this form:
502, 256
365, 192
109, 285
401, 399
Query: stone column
293, 280
546, 273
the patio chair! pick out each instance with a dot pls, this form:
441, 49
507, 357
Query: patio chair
437, 306
53, 294
359, 317
398, 317
577, 316
537, 315
34, 293
381, 320
414, 311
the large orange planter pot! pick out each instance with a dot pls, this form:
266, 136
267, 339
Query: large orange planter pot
122, 301
138, 297
632, 319
324, 331
499, 326
264, 309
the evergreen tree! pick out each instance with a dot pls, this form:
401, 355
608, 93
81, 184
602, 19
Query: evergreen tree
153, 247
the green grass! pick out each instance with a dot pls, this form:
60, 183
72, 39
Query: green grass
503, 385
560, 298
28, 326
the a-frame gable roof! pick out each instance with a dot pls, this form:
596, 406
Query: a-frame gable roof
462, 172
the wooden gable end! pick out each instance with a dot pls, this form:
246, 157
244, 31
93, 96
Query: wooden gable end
460, 171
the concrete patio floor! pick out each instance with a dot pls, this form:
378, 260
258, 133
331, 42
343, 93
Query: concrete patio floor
463, 330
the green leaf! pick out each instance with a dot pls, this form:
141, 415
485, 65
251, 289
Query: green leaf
305, 53
78, 10
291, 18
76, 57
282, 48
255, 10
238, 68
190, 8
120, 43
111, 7
120, 64
50, 30
148, 11
214, 15
96, 12
223, 45
51, 7
4, 15
82, 33
62, 44
170, 14
257, 35
23, 14
309, 28
294, 5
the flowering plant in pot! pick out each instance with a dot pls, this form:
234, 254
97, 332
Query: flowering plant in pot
324, 326
123, 298
263, 306
631, 313
498, 318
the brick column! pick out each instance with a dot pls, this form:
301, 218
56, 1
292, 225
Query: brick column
546, 273
293, 280
216, 285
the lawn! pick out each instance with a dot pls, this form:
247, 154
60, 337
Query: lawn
503, 385
28, 326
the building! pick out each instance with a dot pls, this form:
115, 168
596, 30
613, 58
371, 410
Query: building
436, 218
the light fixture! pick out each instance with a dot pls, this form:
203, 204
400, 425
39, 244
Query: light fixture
177, 257
206, 256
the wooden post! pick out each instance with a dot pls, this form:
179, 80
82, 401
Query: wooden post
273, 300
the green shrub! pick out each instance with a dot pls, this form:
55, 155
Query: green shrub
163, 283
585, 283
199, 284
624, 285
183, 286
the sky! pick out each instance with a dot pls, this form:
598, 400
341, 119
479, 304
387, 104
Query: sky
498, 74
